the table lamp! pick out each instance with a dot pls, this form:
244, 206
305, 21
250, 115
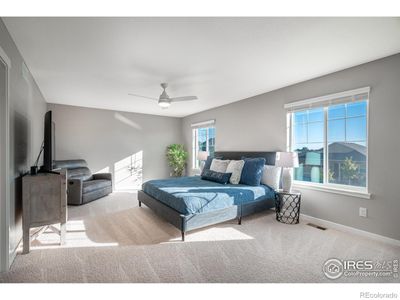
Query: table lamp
288, 161
202, 157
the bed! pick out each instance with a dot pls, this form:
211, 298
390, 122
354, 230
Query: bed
190, 203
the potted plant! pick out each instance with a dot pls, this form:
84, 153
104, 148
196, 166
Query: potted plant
177, 157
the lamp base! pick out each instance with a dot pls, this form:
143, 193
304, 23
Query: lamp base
201, 165
287, 179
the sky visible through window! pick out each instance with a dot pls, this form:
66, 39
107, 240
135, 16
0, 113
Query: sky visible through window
342, 126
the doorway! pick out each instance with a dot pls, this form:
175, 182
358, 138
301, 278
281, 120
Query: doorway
4, 163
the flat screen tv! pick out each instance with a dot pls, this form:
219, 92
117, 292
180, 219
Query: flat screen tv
48, 144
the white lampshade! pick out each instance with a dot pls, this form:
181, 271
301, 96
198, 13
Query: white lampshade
202, 155
287, 159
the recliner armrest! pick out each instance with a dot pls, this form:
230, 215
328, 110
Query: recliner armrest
75, 191
106, 176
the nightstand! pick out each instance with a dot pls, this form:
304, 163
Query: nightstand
44, 203
287, 206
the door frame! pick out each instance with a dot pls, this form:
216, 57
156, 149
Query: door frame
5, 261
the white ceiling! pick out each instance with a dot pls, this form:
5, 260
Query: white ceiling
96, 62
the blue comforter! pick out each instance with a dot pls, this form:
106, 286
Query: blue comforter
190, 195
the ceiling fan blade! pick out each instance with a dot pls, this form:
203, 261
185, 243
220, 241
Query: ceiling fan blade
186, 98
141, 96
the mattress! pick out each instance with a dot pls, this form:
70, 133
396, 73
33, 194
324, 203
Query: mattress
191, 195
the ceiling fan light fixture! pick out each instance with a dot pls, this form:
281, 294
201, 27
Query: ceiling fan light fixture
164, 104
164, 101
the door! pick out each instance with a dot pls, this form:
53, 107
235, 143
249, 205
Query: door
4, 164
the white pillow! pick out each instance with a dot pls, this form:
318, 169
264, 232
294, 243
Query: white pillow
271, 176
219, 165
235, 167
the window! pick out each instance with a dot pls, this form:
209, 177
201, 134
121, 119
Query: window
308, 142
203, 140
330, 136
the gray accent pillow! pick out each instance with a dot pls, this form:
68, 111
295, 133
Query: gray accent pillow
235, 167
219, 165
208, 162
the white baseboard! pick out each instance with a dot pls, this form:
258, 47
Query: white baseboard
349, 229
13, 255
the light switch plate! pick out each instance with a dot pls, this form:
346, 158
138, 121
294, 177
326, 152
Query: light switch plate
363, 212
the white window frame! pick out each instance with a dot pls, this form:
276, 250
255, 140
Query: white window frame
195, 128
361, 192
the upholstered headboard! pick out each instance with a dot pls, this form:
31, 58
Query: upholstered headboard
236, 155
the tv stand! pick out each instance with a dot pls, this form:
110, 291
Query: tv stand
41, 171
44, 203
48, 172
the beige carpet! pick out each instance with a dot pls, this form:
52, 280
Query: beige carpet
113, 240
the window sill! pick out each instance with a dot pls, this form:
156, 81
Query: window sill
334, 190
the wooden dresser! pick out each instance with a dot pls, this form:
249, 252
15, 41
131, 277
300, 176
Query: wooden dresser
44, 203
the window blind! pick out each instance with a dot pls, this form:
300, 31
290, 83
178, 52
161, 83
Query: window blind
360, 94
203, 124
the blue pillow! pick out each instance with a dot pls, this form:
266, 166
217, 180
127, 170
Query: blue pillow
207, 164
252, 171
222, 178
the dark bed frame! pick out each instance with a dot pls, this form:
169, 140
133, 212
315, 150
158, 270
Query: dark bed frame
194, 221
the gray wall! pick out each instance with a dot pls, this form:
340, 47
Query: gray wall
258, 123
27, 108
105, 137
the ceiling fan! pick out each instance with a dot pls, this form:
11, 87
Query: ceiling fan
164, 100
